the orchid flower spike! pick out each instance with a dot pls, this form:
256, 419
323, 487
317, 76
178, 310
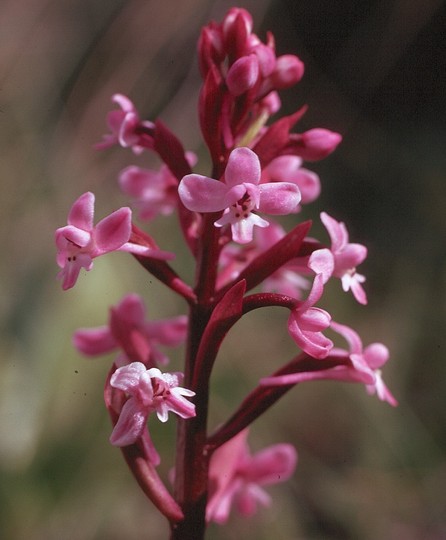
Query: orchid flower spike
240, 195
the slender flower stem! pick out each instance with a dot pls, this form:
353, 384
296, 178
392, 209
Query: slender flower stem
264, 397
192, 463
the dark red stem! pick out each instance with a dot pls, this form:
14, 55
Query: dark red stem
192, 460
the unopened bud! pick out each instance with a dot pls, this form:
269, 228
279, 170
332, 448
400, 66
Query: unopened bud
289, 70
243, 75
318, 143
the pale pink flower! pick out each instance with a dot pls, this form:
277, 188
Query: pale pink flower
79, 242
357, 365
149, 391
123, 125
240, 195
305, 323
129, 331
236, 478
154, 192
289, 169
341, 259
367, 361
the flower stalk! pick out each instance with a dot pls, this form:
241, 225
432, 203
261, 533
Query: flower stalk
230, 222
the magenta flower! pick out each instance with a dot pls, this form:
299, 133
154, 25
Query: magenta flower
129, 331
123, 125
341, 259
367, 361
149, 391
79, 242
306, 323
237, 478
240, 195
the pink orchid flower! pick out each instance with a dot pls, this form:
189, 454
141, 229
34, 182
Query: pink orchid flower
123, 124
357, 365
237, 478
341, 259
306, 323
149, 391
240, 195
154, 192
367, 361
289, 169
129, 330
79, 242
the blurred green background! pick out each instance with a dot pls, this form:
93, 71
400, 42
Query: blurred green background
374, 72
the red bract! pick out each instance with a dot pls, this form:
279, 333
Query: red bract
244, 259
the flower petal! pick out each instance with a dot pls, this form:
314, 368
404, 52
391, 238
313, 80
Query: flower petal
352, 338
351, 256
273, 464
376, 355
94, 341
242, 229
71, 269
322, 262
127, 378
130, 424
243, 167
170, 332
75, 236
202, 194
82, 212
131, 310
113, 231
336, 230
279, 198
313, 343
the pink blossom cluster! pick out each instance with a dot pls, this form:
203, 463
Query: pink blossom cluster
230, 223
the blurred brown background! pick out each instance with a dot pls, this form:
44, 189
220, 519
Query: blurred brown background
375, 71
